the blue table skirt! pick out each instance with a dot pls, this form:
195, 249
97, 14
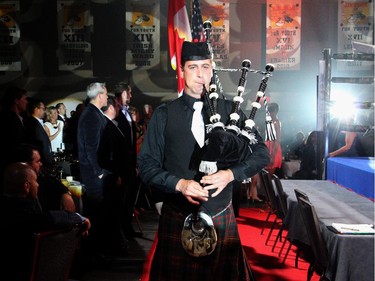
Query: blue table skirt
354, 173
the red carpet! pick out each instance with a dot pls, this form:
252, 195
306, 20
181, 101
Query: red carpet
267, 265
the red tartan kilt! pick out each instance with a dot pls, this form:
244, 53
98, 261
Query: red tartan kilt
227, 263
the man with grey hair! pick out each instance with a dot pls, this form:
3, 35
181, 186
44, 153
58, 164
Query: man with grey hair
91, 125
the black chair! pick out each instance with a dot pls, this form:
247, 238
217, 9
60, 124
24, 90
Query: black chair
283, 206
282, 199
320, 262
272, 201
298, 194
53, 254
301, 194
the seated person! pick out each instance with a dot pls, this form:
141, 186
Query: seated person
309, 169
52, 194
21, 216
297, 146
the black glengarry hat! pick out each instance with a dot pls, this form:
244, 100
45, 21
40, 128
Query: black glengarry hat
194, 51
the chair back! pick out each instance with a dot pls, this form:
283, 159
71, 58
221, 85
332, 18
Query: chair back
54, 253
281, 195
301, 194
266, 183
314, 233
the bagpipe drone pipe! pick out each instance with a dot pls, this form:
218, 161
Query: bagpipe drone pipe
228, 145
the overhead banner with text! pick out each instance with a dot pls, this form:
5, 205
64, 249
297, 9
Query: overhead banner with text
74, 25
10, 49
283, 43
356, 23
143, 34
217, 11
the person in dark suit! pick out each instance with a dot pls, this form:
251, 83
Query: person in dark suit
14, 105
35, 130
114, 157
91, 125
123, 93
21, 216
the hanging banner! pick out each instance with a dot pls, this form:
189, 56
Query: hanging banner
143, 40
283, 44
10, 52
74, 26
355, 23
217, 11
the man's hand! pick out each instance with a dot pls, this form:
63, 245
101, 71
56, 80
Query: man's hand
192, 190
218, 180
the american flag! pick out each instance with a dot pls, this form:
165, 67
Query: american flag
197, 32
178, 32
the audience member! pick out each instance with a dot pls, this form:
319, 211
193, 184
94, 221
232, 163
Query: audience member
297, 146
61, 110
344, 142
35, 130
71, 130
91, 125
14, 104
21, 216
134, 113
146, 116
123, 93
309, 161
52, 194
114, 157
164, 162
54, 129
274, 146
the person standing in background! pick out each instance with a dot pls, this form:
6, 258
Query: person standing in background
54, 129
146, 117
35, 130
114, 157
61, 111
14, 105
123, 93
138, 127
274, 146
91, 125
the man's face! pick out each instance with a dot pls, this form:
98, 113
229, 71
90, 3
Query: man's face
103, 98
22, 103
126, 97
40, 111
36, 163
32, 184
197, 75
62, 109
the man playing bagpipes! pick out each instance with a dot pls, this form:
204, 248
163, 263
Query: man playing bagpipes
169, 160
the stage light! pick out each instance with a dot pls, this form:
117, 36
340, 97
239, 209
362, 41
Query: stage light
343, 108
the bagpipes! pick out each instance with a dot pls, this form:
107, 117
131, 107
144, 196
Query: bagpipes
227, 145
224, 146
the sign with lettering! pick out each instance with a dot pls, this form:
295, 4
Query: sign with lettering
10, 54
217, 12
74, 35
283, 46
356, 23
143, 34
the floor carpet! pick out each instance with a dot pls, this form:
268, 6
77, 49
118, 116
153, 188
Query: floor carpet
267, 265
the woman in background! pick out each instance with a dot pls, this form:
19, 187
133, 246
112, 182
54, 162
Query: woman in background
54, 129
274, 146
